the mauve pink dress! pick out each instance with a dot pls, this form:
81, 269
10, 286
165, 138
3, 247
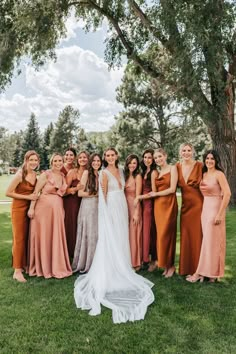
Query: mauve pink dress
212, 257
48, 254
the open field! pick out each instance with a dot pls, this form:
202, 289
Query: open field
40, 316
4, 182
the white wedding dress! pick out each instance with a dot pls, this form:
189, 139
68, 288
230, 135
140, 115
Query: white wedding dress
111, 281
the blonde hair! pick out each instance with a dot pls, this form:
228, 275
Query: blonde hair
161, 150
53, 155
26, 159
187, 144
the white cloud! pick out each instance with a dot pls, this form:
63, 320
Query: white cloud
79, 77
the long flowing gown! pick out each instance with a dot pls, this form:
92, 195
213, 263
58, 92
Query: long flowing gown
87, 235
48, 252
71, 203
20, 225
135, 230
111, 280
212, 257
149, 226
190, 219
165, 211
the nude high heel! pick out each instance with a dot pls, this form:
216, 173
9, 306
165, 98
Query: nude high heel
195, 278
18, 276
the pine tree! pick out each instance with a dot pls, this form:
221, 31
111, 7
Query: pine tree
66, 130
44, 163
17, 158
32, 140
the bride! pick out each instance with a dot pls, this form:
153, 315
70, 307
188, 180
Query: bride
111, 281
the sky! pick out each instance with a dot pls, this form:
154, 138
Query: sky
80, 77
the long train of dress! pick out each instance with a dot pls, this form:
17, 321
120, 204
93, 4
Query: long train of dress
111, 280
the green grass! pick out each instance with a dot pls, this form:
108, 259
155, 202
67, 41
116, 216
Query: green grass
40, 316
4, 182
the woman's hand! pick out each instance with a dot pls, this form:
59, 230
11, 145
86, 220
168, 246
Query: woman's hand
33, 196
30, 213
152, 194
136, 201
136, 219
218, 219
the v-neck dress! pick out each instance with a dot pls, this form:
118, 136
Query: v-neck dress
20, 225
190, 219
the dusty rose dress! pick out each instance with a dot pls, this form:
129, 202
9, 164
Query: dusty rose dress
48, 254
190, 219
149, 227
135, 231
212, 257
165, 211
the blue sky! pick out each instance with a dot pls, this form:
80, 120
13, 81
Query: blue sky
79, 77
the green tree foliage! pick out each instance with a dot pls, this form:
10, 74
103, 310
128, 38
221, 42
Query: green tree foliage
44, 162
17, 155
31, 138
199, 37
66, 130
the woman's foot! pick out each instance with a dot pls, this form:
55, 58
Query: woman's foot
194, 278
212, 280
137, 268
170, 272
19, 277
152, 266
165, 272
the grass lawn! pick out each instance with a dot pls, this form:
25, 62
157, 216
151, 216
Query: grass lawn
40, 316
4, 182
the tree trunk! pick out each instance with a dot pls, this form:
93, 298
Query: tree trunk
227, 151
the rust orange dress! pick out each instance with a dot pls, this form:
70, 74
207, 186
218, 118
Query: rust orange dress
190, 219
20, 225
165, 212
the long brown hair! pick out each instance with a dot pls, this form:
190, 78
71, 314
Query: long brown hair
92, 183
126, 168
26, 159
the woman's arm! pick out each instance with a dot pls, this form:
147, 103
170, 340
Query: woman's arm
173, 184
138, 191
146, 196
10, 192
226, 196
39, 186
83, 182
104, 184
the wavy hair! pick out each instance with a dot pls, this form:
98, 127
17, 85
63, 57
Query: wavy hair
81, 152
92, 178
144, 167
126, 167
26, 159
216, 157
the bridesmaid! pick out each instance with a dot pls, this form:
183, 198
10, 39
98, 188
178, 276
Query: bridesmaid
149, 228
87, 233
71, 200
48, 252
133, 188
189, 177
216, 192
165, 211
69, 160
21, 190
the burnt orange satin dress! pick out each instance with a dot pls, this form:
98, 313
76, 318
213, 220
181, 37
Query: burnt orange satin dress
165, 212
135, 231
20, 225
190, 219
